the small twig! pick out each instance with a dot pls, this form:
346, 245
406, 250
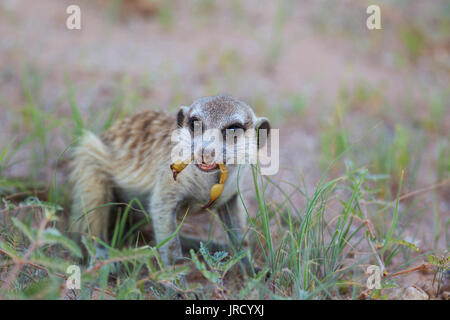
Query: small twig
375, 253
413, 193
423, 266
20, 207
429, 188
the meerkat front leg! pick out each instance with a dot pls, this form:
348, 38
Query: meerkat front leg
163, 211
232, 214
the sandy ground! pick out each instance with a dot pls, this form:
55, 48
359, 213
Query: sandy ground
249, 51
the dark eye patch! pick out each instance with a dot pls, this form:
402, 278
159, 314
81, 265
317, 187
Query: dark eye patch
231, 130
193, 121
235, 126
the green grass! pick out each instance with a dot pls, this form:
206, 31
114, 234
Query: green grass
316, 248
304, 251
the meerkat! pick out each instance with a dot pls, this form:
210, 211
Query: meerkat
133, 160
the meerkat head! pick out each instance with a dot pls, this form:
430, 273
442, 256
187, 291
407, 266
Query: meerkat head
221, 127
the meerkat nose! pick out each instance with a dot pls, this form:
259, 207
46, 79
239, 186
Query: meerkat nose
208, 156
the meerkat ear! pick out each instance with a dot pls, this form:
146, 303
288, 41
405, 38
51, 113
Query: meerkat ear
181, 115
262, 124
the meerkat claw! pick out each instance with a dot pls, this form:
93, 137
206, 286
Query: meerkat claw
174, 172
206, 206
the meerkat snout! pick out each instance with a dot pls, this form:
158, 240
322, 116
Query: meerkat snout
208, 156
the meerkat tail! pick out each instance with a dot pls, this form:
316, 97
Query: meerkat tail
92, 187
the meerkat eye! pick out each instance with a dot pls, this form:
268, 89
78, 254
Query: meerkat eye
234, 127
231, 130
194, 123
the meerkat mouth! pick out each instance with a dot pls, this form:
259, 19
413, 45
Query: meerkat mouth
207, 167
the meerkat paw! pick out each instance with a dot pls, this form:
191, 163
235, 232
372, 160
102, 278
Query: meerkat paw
102, 254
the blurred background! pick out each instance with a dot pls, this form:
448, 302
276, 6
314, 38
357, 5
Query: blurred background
311, 67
